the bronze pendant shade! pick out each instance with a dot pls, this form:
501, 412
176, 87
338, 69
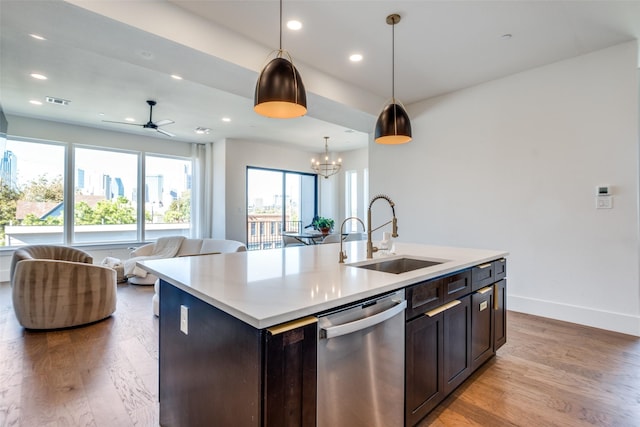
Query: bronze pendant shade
393, 125
280, 92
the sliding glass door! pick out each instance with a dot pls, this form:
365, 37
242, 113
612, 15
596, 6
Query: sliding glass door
278, 201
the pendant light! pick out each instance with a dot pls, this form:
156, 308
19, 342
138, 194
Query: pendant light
279, 90
326, 167
393, 125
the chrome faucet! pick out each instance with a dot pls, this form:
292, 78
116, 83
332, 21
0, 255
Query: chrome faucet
343, 254
394, 233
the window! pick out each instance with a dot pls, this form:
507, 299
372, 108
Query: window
31, 193
102, 188
278, 201
351, 200
167, 197
105, 196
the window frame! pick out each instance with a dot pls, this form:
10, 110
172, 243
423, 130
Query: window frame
69, 184
284, 173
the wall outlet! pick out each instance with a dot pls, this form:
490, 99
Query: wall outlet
184, 319
604, 202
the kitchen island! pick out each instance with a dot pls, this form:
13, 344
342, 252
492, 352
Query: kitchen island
238, 332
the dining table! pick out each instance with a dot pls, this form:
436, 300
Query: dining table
306, 237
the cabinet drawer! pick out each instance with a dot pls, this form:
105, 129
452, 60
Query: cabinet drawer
500, 268
482, 275
456, 286
423, 297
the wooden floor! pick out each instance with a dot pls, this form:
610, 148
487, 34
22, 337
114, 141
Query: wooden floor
549, 373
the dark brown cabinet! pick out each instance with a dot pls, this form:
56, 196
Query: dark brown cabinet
423, 366
456, 285
482, 326
438, 356
457, 344
454, 325
290, 375
227, 373
500, 314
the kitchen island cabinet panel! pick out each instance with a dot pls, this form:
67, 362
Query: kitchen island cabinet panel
482, 333
457, 344
290, 381
500, 313
212, 376
456, 285
423, 368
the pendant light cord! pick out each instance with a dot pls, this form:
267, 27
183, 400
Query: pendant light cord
393, 62
280, 26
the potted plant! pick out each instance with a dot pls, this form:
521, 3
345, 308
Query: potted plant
323, 224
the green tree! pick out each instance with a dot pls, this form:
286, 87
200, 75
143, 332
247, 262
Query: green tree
179, 210
83, 214
117, 211
43, 189
31, 219
8, 206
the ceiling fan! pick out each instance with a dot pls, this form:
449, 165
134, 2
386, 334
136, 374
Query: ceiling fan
150, 124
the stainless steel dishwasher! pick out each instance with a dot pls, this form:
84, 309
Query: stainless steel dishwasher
361, 364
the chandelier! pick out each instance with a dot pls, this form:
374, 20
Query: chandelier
326, 167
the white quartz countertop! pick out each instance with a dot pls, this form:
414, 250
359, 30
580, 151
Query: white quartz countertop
268, 287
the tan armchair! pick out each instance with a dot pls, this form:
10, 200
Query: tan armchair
58, 287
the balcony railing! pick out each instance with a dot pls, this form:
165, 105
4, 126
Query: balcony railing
268, 234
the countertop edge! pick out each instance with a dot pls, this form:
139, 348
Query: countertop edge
403, 280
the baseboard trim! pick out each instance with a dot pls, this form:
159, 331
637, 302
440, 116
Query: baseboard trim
617, 322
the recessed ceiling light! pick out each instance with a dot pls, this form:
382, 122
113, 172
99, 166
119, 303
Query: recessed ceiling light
202, 131
356, 57
129, 119
101, 114
176, 77
506, 36
37, 36
38, 76
294, 25
226, 119
35, 102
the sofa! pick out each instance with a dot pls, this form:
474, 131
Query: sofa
171, 247
187, 247
56, 287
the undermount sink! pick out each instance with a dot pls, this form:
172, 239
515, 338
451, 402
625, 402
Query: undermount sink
398, 265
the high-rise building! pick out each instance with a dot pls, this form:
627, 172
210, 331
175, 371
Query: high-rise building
9, 170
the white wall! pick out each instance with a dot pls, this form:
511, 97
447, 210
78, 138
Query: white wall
513, 164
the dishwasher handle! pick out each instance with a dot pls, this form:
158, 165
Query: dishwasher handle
358, 325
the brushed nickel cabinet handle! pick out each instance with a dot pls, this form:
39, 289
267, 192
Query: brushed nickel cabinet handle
442, 308
286, 327
484, 265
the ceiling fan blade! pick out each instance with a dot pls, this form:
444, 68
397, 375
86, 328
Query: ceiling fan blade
164, 122
164, 132
123, 123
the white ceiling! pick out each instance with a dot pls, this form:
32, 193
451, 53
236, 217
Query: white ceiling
111, 56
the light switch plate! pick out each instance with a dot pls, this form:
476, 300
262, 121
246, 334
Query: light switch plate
184, 319
604, 202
